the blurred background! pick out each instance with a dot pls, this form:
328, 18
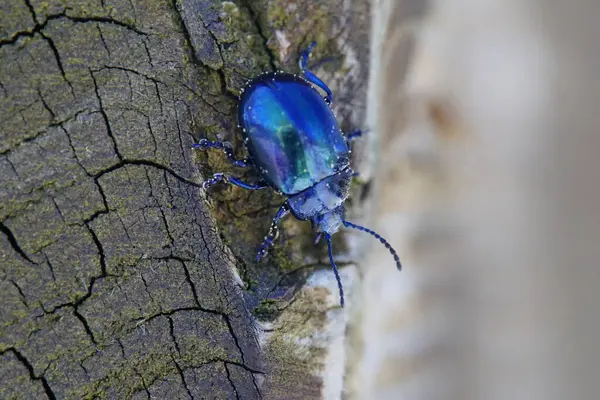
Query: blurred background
488, 116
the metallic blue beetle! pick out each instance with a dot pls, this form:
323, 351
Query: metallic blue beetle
299, 150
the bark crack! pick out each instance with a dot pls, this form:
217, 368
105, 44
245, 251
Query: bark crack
32, 376
103, 41
254, 16
32, 11
39, 27
21, 295
149, 163
237, 396
86, 326
50, 42
13, 242
105, 117
177, 366
46, 104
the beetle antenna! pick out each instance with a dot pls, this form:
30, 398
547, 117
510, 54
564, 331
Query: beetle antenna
335, 270
377, 236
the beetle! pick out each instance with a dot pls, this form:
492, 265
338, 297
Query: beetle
295, 142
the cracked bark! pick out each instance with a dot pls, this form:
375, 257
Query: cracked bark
114, 278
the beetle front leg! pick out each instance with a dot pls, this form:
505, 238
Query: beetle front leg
273, 232
303, 62
220, 177
227, 148
350, 137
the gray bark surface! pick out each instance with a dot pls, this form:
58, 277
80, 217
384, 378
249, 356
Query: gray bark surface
117, 276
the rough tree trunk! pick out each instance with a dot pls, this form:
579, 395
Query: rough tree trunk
119, 278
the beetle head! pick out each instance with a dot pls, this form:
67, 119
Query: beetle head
329, 222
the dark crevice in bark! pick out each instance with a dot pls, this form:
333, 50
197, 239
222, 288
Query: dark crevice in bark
50, 42
100, 250
214, 38
75, 304
104, 202
50, 267
177, 366
198, 307
31, 10
22, 296
58, 210
196, 61
118, 341
27, 364
172, 331
133, 71
190, 282
237, 396
247, 368
148, 53
179, 134
62, 122
254, 15
105, 116
174, 311
223, 90
107, 20
146, 287
103, 41
62, 128
182, 377
235, 339
160, 103
143, 383
149, 163
13, 242
186, 34
78, 302
46, 104
85, 325
256, 386
39, 27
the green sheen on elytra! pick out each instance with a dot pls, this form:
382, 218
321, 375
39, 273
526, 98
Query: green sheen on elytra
292, 135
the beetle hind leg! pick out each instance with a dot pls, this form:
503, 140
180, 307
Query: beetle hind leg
303, 62
273, 232
227, 148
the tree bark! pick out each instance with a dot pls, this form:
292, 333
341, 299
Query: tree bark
118, 277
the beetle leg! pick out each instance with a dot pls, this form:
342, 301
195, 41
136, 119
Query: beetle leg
312, 77
273, 232
220, 177
356, 134
227, 148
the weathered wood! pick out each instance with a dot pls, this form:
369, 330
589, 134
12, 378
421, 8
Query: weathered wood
118, 278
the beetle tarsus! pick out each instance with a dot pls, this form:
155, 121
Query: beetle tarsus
354, 135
